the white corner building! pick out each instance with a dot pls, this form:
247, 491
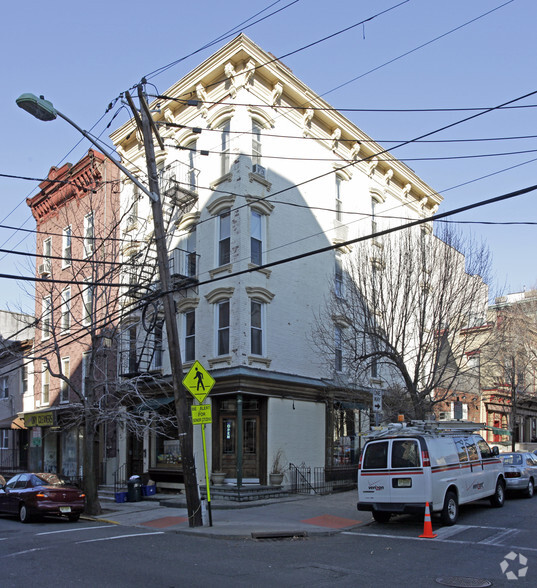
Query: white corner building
257, 172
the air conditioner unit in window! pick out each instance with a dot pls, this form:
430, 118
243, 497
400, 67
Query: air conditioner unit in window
44, 269
259, 170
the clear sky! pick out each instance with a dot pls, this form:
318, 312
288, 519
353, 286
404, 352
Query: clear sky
81, 56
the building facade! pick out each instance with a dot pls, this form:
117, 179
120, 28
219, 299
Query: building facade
75, 363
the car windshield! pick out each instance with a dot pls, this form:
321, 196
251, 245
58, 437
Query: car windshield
512, 459
50, 479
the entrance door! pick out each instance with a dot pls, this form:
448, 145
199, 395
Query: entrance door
230, 446
226, 442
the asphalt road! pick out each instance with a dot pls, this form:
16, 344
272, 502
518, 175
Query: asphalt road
58, 553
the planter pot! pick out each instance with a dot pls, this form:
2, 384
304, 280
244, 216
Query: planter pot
217, 478
276, 479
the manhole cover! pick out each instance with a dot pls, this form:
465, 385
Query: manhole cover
462, 582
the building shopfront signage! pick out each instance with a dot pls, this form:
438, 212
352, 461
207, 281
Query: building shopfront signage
40, 419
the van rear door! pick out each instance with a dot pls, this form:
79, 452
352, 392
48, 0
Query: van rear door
392, 472
408, 482
374, 484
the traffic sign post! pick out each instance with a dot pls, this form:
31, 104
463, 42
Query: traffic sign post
199, 383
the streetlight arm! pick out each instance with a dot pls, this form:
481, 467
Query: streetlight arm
44, 110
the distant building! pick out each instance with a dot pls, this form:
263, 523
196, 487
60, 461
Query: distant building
16, 380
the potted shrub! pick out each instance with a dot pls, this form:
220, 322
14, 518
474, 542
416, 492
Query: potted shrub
277, 469
217, 478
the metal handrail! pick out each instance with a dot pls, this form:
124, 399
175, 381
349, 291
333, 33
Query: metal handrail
120, 477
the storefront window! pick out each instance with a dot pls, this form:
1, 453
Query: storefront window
168, 452
349, 424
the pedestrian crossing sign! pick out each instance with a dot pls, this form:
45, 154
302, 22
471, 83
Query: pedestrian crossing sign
198, 382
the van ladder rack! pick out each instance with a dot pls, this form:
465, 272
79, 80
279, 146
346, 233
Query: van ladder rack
416, 427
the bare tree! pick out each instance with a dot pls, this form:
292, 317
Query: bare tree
513, 353
405, 310
80, 306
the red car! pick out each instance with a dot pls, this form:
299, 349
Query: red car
29, 495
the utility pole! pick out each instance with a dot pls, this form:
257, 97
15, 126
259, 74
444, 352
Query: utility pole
184, 423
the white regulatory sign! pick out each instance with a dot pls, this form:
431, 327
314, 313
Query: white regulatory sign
377, 400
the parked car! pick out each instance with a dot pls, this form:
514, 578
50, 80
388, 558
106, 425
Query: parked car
520, 471
28, 495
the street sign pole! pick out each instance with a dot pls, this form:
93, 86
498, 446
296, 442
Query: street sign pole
207, 476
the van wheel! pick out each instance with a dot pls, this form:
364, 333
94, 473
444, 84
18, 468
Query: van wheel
498, 498
450, 511
530, 489
381, 516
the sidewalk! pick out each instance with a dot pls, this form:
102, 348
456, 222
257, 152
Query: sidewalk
286, 517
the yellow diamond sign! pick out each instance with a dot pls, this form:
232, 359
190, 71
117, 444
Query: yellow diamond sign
198, 382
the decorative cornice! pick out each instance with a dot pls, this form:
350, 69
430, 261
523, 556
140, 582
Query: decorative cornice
260, 293
219, 294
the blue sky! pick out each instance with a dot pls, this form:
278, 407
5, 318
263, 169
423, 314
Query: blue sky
82, 56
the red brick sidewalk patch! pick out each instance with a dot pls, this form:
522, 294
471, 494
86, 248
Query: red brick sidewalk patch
165, 522
331, 521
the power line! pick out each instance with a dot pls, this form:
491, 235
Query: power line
222, 37
417, 48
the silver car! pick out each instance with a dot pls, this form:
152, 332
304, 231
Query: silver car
520, 471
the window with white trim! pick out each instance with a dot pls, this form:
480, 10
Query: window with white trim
64, 387
156, 360
338, 348
374, 224
189, 332
338, 276
46, 317
87, 305
4, 440
339, 204
4, 387
47, 253
24, 377
256, 144
66, 247
223, 327
85, 367
256, 237
191, 178
45, 384
225, 148
89, 234
66, 310
374, 368
224, 237
256, 327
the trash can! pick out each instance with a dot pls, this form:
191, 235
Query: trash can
134, 489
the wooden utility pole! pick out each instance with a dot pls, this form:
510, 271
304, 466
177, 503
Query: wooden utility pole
184, 423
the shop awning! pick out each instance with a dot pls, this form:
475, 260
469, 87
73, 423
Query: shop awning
153, 404
12, 423
498, 431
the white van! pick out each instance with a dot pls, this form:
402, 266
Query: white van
444, 463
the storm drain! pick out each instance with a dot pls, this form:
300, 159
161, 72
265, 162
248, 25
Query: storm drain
463, 582
278, 535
